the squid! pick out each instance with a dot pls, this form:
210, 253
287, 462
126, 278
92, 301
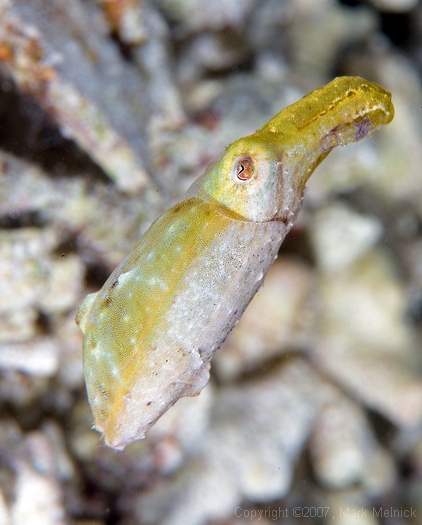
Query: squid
151, 331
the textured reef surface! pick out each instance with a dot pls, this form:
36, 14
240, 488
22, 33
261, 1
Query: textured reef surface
109, 110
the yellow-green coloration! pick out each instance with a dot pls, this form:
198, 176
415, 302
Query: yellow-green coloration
164, 254
151, 331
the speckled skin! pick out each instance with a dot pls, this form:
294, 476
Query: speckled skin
175, 304
151, 331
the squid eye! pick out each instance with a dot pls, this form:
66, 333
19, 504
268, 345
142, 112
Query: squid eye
243, 168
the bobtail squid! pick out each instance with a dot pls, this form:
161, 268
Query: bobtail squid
151, 331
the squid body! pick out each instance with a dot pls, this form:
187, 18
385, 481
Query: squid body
151, 331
